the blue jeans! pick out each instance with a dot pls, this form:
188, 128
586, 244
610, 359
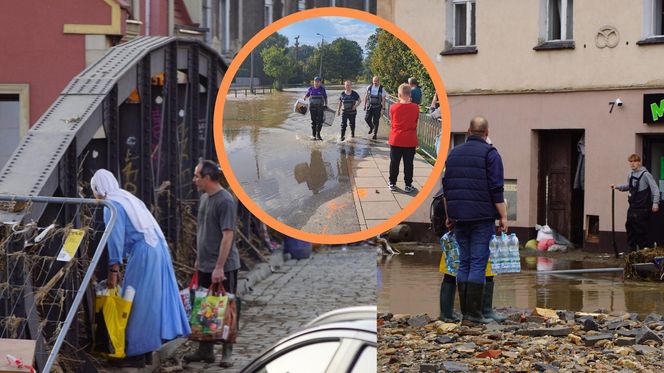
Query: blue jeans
473, 238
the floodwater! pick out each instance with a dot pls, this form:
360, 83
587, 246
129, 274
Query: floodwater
411, 284
302, 183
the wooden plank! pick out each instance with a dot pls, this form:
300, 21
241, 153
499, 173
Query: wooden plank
41, 354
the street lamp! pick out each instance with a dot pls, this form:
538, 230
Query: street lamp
322, 42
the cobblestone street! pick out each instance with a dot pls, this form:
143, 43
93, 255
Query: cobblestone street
295, 294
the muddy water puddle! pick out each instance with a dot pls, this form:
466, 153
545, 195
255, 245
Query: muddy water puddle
300, 182
411, 284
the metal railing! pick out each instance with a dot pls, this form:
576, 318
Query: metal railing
428, 130
85, 282
248, 90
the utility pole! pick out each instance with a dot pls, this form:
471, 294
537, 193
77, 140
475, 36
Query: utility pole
297, 48
322, 43
251, 72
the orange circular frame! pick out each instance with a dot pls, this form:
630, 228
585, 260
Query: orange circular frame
226, 166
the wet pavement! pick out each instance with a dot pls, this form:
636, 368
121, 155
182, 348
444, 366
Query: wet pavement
399, 275
325, 186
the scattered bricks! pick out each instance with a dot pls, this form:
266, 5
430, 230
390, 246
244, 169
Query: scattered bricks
652, 317
443, 339
641, 349
419, 320
446, 327
628, 332
535, 319
546, 313
625, 341
466, 348
429, 368
543, 367
590, 324
582, 319
574, 339
565, 315
648, 335
617, 325
386, 316
451, 366
555, 332
592, 339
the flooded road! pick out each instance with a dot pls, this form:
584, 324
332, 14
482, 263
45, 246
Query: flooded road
300, 182
411, 284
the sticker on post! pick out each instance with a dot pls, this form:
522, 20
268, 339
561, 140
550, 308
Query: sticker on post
71, 245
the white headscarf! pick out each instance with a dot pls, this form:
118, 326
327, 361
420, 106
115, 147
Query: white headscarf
104, 183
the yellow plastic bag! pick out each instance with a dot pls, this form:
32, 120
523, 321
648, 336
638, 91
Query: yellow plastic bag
112, 312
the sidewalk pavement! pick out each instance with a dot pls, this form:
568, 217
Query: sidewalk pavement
290, 297
374, 202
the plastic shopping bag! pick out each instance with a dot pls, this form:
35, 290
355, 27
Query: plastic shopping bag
112, 314
207, 314
450, 249
187, 294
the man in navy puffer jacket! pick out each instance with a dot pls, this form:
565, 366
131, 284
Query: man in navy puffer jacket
473, 185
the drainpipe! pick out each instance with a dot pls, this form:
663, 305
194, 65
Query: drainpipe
227, 24
208, 20
171, 17
148, 5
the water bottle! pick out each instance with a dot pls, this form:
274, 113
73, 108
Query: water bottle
503, 250
493, 248
516, 259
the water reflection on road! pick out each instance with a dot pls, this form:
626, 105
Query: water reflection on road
411, 284
300, 182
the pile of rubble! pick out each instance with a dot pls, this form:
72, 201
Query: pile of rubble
541, 340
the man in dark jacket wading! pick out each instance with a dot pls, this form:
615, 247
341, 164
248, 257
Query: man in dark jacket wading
473, 185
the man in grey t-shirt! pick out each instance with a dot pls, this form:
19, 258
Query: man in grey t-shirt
218, 259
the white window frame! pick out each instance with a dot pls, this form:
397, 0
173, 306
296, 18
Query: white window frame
470, 4
563, 20
301, 5
652, 10
23, 92
268, 9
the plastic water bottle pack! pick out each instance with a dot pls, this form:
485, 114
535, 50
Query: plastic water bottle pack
504, 254
450, 248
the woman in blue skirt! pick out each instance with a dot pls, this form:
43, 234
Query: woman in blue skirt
157, 314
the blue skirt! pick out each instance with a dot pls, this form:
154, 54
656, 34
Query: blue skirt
157, 314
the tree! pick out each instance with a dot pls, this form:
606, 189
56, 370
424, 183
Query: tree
275, 39
279, 65
305, 51
394, 63
342, 59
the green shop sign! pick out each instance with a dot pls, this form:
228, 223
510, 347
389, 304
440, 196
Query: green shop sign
653, 108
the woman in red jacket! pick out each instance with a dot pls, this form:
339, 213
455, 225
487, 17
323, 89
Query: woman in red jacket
403, 138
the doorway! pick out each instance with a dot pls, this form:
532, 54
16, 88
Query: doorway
561, 182
653, 160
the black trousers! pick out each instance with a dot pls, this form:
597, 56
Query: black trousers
637, 228
317, 117
408, 155
373, 117
350, 118
230, 281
